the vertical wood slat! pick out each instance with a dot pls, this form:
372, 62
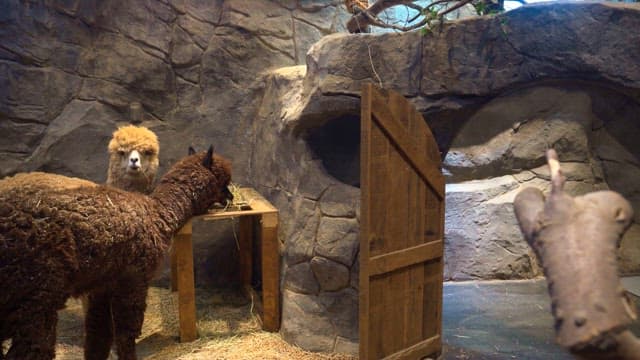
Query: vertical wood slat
365, 220
270, 272
407, 300
174, 270
245, 241
183, 247
427, 168
416, 128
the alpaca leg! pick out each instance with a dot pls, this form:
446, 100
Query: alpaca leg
98, 324
128, 314
35, 339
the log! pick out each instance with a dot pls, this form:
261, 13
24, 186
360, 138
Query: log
575, 240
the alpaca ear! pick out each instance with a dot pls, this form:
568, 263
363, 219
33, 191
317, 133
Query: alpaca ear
208, 158
191, 150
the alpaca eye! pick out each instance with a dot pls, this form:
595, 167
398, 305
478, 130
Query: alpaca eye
121, 153
148, 152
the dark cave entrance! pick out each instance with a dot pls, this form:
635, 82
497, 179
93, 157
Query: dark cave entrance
337, 144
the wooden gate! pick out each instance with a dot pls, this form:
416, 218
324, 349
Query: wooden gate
402, 226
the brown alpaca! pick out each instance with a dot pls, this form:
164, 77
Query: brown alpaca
98, 240
133, 164
36, 181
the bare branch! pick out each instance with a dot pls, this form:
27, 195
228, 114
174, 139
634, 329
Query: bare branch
576, 240
369, 16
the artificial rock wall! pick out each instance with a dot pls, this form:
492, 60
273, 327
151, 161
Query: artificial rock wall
496, 91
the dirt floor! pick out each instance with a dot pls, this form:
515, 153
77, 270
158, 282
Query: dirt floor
226, 327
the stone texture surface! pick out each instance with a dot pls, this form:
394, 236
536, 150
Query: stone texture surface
496, 91
496, 94
193, 65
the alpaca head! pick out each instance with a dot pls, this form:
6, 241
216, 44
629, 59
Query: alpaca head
208, 176
133, 158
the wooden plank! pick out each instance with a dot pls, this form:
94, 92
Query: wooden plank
432, 298
380, 180
394, 204
174, 268
186, 229
405, 257
401, 138
418, 351
439, 295
186, 288
381, 185
270, 272
245, 249
365, 220
218, 215
413, 310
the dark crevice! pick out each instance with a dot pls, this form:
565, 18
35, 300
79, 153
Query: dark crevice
337, 145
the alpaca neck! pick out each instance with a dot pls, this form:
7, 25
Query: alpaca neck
175, 205
130, 183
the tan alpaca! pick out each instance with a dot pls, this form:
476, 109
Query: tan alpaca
133, 159
133, 164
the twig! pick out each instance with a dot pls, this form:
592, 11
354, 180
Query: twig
371, 62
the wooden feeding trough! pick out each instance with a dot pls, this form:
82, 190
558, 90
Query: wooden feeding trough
258, 214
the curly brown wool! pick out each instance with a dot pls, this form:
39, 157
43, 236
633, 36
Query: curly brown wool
98, 240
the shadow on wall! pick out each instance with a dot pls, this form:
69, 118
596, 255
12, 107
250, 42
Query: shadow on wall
337, 144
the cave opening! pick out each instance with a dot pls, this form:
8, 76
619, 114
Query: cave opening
336, 144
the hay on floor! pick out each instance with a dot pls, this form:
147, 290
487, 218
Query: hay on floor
225, 324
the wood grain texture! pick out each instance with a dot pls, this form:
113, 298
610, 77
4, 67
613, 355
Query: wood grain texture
402, 223
186, 288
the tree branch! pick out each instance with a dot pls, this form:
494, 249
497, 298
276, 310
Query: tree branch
369, 16
576, 240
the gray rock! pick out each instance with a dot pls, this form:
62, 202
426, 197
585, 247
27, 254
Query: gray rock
185, 51
199, 30
300, 278
144, 22
304, 39
393, 63
305, 322
203, 10
342, 308
299, 247
83, 125
482, 237
337, 239
331, 275
512, 133
346, 346
34, 95
258, 17
189, 94
340, 201
116, 58
629, 251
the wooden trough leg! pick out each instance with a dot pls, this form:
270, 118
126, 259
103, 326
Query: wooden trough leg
270, 272
245, 258
174, 270
183, 246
